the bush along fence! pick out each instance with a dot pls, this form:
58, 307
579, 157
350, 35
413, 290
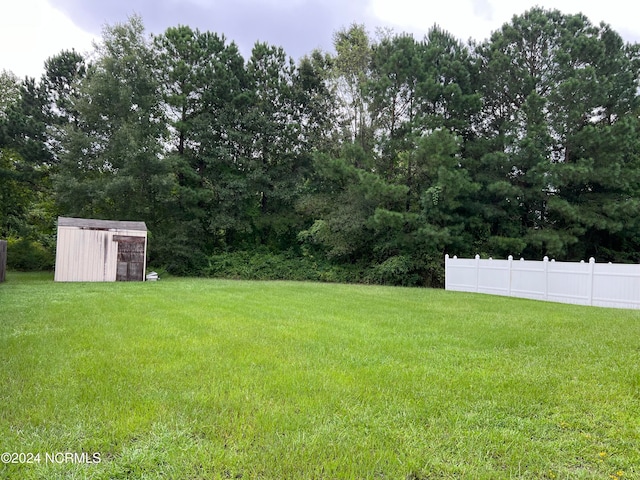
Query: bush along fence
3, 259
596, 284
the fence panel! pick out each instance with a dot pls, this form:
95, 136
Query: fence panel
529, 279
463, 277
606, 285
494, 278
616, 285
3, 260
570, 282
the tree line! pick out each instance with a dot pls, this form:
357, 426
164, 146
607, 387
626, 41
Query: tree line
368, 163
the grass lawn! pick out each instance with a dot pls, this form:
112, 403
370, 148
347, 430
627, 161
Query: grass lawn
208, 379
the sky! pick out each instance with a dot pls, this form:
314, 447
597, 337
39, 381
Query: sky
33, 30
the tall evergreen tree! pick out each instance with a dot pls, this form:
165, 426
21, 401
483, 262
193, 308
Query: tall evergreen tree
26, 160
350, 74
549, 78
111, 161
203, 85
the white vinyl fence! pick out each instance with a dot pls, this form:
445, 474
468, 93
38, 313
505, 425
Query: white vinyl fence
597, 284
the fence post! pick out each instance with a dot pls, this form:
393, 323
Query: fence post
592, 263
477, 273
545, 263
446, 271
510, 258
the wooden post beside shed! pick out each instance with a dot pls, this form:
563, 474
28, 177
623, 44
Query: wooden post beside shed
3, 260
91, 250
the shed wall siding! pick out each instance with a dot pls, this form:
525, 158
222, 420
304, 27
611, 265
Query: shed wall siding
87, 255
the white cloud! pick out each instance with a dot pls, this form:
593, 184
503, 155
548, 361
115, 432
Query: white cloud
32, 31
477, 19
462, 18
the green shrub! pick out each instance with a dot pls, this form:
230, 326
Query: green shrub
408, 271
396, 270
261, 265
402, 270
26, 255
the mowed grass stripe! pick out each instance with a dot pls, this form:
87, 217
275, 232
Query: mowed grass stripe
197, 378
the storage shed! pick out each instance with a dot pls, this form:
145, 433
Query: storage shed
100, 250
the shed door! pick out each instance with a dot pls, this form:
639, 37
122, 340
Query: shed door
130, 258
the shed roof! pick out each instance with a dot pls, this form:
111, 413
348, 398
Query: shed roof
93, 224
